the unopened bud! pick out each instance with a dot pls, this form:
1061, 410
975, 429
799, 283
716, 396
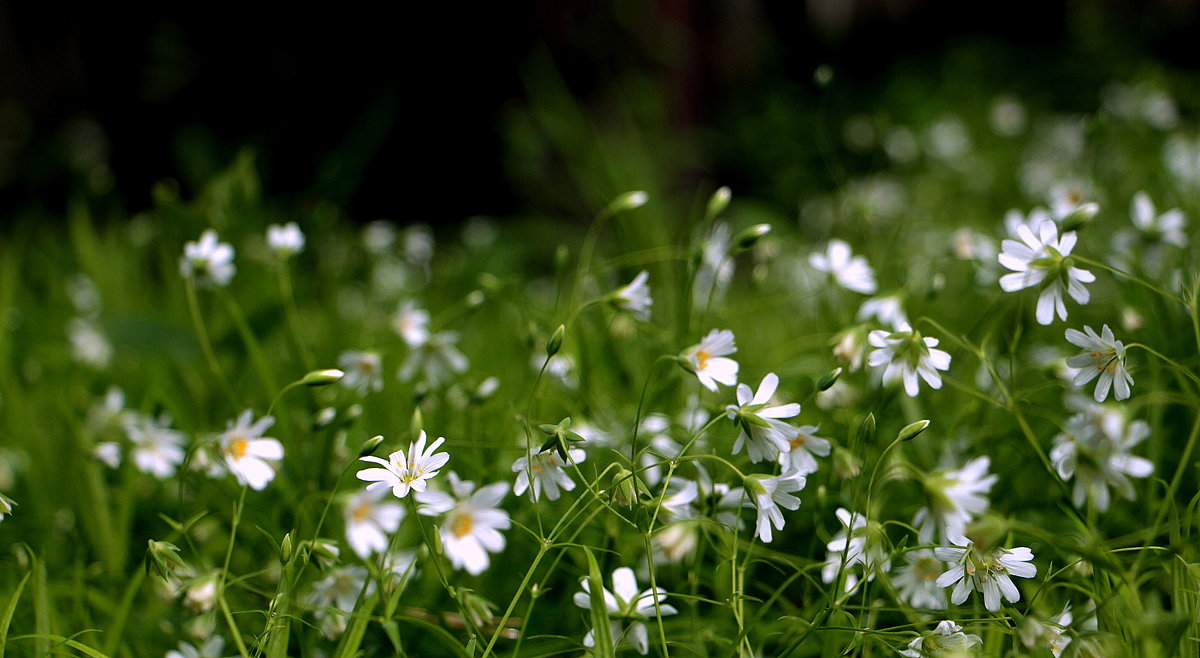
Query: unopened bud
829, 379
370, 445
912, 430
1081, 216
285, 546
629, 201
749, 236
323, 377
625, 487
718, 202
556, 340
417, 423
866, 430
475, 299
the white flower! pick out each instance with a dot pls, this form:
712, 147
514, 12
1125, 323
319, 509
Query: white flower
247, 451
1094, 450
157, 449
1103, 355
851, 272
6, 506
955, 499
109, 453
89, 345
1042, 260
364, 371
917, 580
473, 521
905, 355
411, 323
212, 648
947, 639
625, 602
1051, 634
111, 412
765, 437
851, 345
401, 472
208, 260
707, 360
859, 542
201, 594
437, 359
548, 472
634, 297
716, 267
286, 240
798, 457
889, 310
1167, 227
335, 596
369, 520
989, 573
768, 494
1068, 198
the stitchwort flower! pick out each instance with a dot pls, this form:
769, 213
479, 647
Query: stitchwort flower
209, 261
990, 573
626, 604
947, 639
248, 453
548, 469
707, 360
369, 520
850, 271
404, 472
1043, 259
634, 297
764, 435
1103, 357
905, 354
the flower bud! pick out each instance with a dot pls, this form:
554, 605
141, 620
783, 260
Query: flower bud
556, 340
323, 377
866, 429
1080, 217
475, 299
750, 236
912, 430
417, 423
625, 487
718, 202
829, 379
370, 445
285, 546
629, 201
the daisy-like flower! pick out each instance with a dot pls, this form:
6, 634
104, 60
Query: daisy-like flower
764, 435
851, 272
157, 449
947, 639
369, 520
768, 494
1095, 452
286, 240
707, 360
548, 469
247, 452
208, 260
1050, 634
990, 573
411, 323
471, 528
798, 457
89, 345
1043, 259
335, 595
404, 472
437, 359
955, 498
364, 371
625, 602
1167, 227
634, 297
213, 647
1103, 356
906, 355
917, 580
889, 310
859, 542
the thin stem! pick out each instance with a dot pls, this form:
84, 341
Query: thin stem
515, 599
1171, 362
252, 345
205, 343
233, 629
1141, 282
293, 314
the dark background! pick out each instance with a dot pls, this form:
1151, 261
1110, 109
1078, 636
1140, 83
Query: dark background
404, 115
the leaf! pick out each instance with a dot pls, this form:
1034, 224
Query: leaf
9, 610
600, 621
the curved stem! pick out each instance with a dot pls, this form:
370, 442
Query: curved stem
1141, 282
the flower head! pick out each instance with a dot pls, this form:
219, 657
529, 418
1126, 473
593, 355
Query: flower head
955, 498
625, 602
707, 360
369, 520
437, 359
247, 452
364, 371
157, 449
473, 521
403, 472
889, 310
548, 472
768, 494
851, 272
905, 355
634, 297
990, 573
1095, 450
947, 639
859, 542
411, 324
1103, 356
764, 435
799, 456
917, 580
1167, 227
208, 260
1042, 259
286, 240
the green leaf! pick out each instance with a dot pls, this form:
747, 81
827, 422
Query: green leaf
9, 610
600, 622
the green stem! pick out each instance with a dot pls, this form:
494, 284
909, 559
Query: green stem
257, 357
233, 629
205, 343
515, 599
1141, 282
293, 314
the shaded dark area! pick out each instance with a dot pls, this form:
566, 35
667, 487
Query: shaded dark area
405, 118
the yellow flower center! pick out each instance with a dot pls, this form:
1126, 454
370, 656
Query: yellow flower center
366, 366
702, 358
798, 441
461, 525
239, 447
361, 512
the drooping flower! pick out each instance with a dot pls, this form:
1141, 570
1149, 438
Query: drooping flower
768, 494
1069, 199
707, 360
548, 472
799, 457
471, 528
6, 506
955, 498
905, 355
248, 453
945, 640
1049, 634
208, 260
1094, 450
851, 272
917, 580
990, 573
764, 435
369, 519
285, 240
634, 297
404, 472
364, 371
1042, 259
157, 449
626, 603
1103, 356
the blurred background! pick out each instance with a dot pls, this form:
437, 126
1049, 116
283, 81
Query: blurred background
505, 109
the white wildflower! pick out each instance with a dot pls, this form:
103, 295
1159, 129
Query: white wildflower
1167, 227
286, 240
707, 360
1042, 259
768, 494
208, 260
369, 520
634, 297
625, 602
157, 449
549, 472
990, 573
437, 359
947, 639
764, 436
1103, 356
411, 323
1094, 450
473, 522
955, 498
917, 580
905, 355
364, 371
403, 472
851, 272
248, 453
